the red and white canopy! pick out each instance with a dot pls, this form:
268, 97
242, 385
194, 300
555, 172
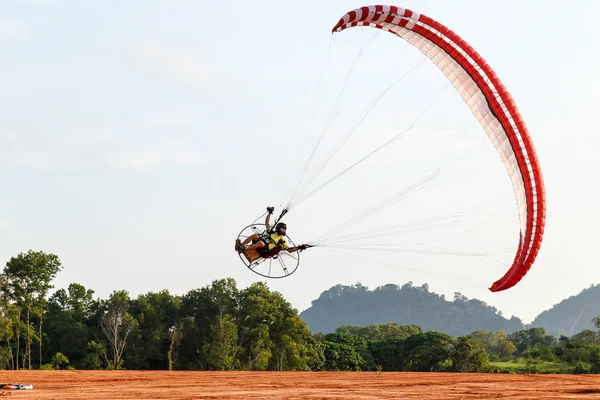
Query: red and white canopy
491, 104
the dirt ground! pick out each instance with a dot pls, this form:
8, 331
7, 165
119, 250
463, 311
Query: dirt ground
107, 385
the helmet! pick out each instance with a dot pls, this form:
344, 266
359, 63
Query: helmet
279, 227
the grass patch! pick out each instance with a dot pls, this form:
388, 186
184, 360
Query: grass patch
537, 367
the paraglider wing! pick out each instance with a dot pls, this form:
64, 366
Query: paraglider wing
491, 104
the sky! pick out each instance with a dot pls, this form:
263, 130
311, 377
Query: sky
137, 142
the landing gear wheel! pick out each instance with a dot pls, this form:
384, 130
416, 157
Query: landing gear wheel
280, 265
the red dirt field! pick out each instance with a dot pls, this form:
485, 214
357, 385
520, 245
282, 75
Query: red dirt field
108, 385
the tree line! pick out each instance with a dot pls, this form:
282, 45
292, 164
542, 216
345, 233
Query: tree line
222, 327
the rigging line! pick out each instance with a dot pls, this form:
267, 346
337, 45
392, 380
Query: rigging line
395, 138
331, 118
384, 204
416, 222
378, 207
361, 237
413, 251
484, 255
504, 250
395, 198
440, 251
402, 225
474, 283
332, 153
396, 248
355, 125
312, 112
464, 154
381, 206
302, 171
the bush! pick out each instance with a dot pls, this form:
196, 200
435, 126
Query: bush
59, 361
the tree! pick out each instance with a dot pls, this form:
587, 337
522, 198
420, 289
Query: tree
289, 335
6, 331
68, 320
202, 308
221, 350
346, 352
316, 354
93, 357
497, 345
596, 321
505, 348
117, 324
27, 280
256, 315
468, 355
381, 331
156, 313
175, 335
526, 340
425, 352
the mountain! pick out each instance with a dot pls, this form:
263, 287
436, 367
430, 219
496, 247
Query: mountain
357, 305
571, 315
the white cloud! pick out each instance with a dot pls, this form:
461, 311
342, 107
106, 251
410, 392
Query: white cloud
169, 119
159, 153
95, 149
187, 68
13, 30
23, 150
8, 136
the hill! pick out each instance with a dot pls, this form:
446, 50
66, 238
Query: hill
571, 315
357, 305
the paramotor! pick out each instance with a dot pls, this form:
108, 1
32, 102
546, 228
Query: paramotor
490, 103
261, 262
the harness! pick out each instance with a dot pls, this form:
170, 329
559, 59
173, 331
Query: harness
268, 240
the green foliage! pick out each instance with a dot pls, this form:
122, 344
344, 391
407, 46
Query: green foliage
347, 352
25, 282
222, 327
381, 331
520, 365
68, 318
497, 344
530, 339
94, 357
59, 361
426, 352
154, 342
5, 357
469, 355
221, 349
175, 335
117, 324
315, 354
